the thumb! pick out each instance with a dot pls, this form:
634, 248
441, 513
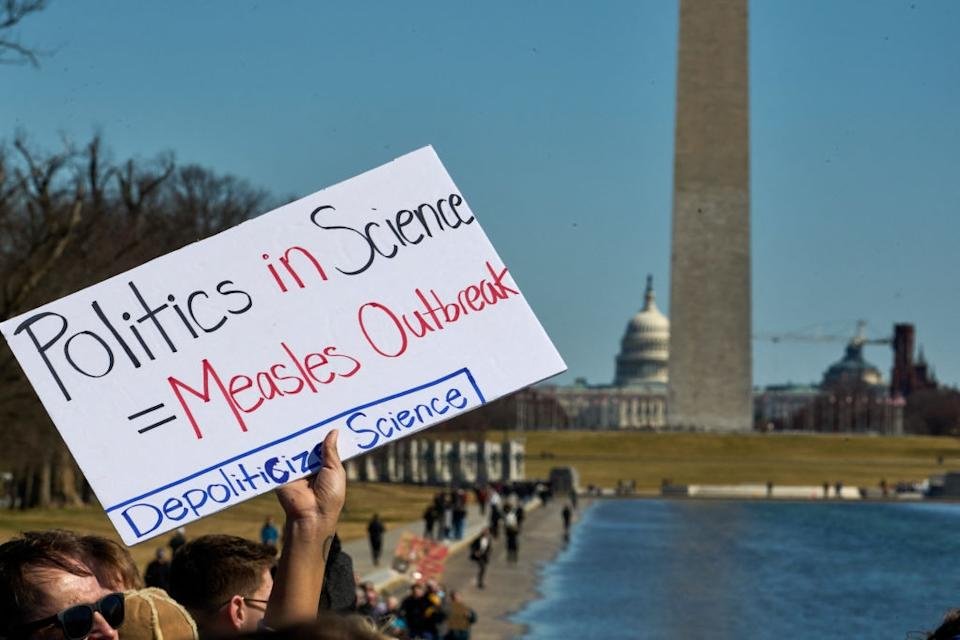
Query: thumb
331, 457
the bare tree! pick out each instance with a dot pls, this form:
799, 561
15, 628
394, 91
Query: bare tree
69, 219
11, 13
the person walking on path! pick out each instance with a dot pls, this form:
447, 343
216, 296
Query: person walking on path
494, 499
460, 618
447, 516
158, 571
375, 530
459, 514
480, 550
483, 496
567, 514
495, 514
429, 519
269, 534
511, 528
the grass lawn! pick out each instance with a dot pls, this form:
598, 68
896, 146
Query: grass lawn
394, 502
603, 457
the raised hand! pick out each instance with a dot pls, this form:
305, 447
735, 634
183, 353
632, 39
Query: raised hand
312, 506
320, 496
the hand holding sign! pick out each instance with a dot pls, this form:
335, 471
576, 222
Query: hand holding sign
377, 307
312, 507
320, 496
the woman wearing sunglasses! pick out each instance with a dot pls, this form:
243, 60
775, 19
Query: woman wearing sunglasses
58, 594
99, 619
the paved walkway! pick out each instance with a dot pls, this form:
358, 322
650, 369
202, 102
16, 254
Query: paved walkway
383, 576
509, 586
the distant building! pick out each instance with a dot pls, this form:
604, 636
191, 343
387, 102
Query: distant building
637, 399
908, 376
777, 407
851, 397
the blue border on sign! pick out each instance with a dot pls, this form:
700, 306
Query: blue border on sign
295, 434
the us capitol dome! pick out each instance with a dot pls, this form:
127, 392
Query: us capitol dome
645, 347
637, 399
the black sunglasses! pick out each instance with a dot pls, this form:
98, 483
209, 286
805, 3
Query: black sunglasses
77, 621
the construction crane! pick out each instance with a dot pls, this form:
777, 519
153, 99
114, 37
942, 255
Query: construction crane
858, 339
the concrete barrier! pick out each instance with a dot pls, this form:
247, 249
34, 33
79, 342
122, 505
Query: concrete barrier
760, 491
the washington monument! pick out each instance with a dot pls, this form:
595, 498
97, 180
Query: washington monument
710, 355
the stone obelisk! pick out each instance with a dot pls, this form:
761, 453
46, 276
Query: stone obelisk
710, 349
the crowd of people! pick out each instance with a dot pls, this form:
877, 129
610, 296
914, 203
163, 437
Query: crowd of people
445, 517
58, 583
429, 612
61, 584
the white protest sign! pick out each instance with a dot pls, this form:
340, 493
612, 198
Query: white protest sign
207, 376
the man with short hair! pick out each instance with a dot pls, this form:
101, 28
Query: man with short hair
224, 582
228, 599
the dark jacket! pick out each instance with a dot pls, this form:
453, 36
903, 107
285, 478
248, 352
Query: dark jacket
475, 550
375, 531
339, 593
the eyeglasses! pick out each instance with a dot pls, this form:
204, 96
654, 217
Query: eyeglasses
245, 600
76, 622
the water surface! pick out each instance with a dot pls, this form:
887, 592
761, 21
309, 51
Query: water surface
717, 569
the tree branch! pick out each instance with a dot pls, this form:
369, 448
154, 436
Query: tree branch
11, 13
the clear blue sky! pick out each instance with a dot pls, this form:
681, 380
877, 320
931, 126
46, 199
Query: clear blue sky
556, 121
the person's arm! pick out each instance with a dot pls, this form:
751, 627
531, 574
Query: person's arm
312, 508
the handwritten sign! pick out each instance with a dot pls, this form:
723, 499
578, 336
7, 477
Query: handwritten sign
207, 376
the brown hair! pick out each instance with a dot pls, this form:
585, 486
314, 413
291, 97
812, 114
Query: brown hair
112, 563
211, 569
53, 549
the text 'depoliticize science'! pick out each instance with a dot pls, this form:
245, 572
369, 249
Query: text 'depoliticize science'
264, 468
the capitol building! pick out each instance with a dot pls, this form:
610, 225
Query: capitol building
637, 399
851, 397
